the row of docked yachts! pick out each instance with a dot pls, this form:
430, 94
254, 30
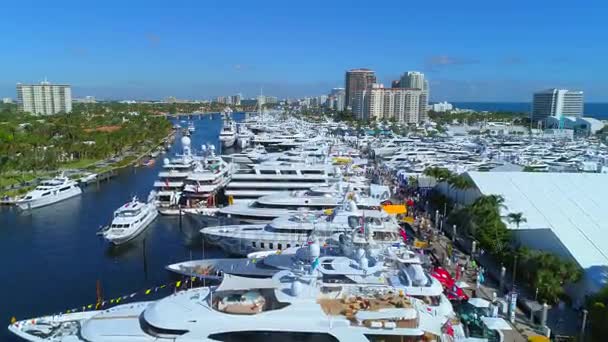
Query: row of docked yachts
320, 260
461, 153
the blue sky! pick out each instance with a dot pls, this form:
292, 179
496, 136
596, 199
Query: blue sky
469, 50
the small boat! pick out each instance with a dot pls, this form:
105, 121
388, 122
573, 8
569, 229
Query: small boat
88, 178
149, 162
130, 220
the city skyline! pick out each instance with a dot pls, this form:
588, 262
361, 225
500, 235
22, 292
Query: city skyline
471, 51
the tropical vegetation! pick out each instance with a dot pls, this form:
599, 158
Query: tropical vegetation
30, 144
483, 221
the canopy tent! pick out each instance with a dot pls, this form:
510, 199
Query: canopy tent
236, 283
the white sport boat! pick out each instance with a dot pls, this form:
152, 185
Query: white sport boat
49, 192
130, 220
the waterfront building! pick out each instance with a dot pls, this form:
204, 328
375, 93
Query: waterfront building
405, 105
357, 80
556, 103
44, 98
441, 107
236, 99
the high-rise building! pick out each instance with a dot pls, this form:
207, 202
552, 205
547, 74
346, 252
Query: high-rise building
405, 105
236, 99
412, 79
44, 98
396, 84
556, 103
357, 80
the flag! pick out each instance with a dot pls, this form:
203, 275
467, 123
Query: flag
315, 263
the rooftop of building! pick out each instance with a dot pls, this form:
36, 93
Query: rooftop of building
572, 205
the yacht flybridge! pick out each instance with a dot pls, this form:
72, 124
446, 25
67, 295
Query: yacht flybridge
49, 192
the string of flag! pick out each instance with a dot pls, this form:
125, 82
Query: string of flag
104, 304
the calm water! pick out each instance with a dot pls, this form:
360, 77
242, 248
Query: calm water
592, 109
52, 257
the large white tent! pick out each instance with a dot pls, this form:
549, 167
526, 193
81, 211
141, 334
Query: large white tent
566, 213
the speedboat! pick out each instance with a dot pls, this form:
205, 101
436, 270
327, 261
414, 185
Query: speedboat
130, 220
49, 192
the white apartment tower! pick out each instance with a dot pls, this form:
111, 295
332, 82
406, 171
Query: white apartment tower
405, 105
44, 98
556, 103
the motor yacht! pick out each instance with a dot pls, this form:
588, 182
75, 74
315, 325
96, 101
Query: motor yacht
49, 192
202, 187
288, 231
269, 207
130, 220
290, 306
171, 180
266, 179
228, 134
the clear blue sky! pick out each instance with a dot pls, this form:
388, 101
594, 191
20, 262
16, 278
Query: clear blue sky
470, 50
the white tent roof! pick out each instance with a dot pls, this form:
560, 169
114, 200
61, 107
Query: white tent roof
572, 205
236, 283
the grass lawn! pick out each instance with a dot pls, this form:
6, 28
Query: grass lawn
8, 180
78, 164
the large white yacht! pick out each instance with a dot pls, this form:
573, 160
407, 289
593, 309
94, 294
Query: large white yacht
170, 184
130, 220
297, 230
266, 179
319, 198
49, 192
204, 183
290, 306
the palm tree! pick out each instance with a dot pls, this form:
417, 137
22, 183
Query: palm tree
516, 218
460, 182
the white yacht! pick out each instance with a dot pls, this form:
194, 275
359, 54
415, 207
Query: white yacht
228, 133
49, 192
266, 179
313, 303
269, 207
204, 183
244, 136
130, 220
170, 184
289, 231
